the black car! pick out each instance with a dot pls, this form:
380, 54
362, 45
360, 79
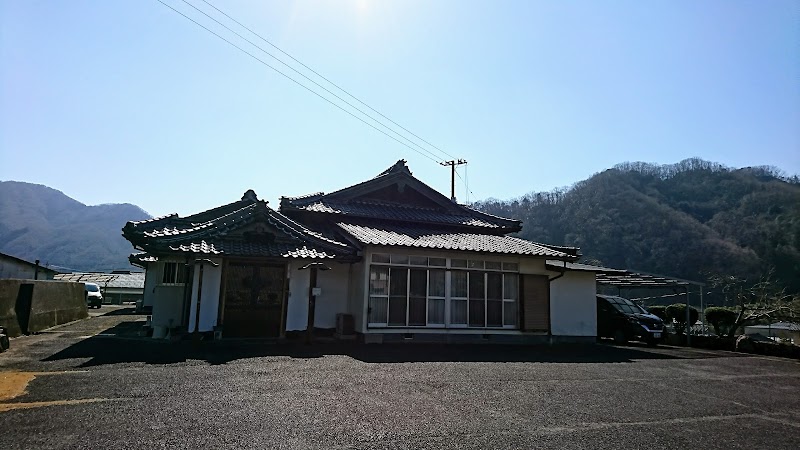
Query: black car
624, 320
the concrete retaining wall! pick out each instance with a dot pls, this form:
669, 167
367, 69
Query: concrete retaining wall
51, 303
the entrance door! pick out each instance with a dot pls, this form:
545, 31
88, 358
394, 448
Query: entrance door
254, 297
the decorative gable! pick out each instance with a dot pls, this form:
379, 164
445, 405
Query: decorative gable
257, 233
399, 194
393, 195
247, 227
395, 186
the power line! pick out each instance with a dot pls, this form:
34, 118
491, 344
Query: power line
326, 79
309, 79
293, 80
466, 184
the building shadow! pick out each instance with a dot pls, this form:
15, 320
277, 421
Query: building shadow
118, 345
122, 312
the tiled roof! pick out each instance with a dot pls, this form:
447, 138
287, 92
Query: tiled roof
430, 237
220, 225
402, 212
212, 232
276, 250
133, 280
396, 195
141, 259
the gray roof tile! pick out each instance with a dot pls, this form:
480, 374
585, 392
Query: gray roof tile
275, 250
400, 212
213, 232
430, 237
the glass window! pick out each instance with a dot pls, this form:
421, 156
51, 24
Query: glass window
458, 312
477, 299
437, 262
169, 273
492, 265
510, 286
494, 313
494, 286
174, 273
494, 299
436, 283
379, 281
472, 264
417, 298
436, 311
418, 260
380, 258
510, 314
458, 284
398, 296
511, 266
399, 259
378, 310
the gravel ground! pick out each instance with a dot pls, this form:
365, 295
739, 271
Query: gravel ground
109, 392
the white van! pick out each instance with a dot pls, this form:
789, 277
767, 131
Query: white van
94, 298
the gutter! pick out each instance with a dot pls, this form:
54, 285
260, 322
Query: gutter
561, 273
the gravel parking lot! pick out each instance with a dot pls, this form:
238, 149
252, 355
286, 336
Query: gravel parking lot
87, 388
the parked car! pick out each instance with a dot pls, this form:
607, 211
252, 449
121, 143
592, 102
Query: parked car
624, 320
94, 298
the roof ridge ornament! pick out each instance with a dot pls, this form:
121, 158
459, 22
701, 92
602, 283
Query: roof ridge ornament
399, 166
250, 195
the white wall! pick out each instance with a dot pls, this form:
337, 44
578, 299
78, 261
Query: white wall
359, 279
11, 268
573, 305
168, 306
297, 307
209, 299
333, 300
534, 266
150, 277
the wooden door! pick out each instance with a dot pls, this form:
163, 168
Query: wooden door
254, 299
535, 303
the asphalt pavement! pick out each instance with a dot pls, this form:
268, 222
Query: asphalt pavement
84, 386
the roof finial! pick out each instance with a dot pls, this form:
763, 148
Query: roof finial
250, 195
401, 165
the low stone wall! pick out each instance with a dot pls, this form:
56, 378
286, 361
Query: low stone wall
50, 303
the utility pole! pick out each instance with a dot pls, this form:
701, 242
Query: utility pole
453, 163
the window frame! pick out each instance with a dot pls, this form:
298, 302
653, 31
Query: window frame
178, 271
471, 268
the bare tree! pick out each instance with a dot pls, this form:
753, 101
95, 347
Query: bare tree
763, 300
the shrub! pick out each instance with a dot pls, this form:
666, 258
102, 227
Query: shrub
660, 311
677, 314
720, 318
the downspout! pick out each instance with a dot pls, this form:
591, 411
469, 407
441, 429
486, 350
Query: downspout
549, 313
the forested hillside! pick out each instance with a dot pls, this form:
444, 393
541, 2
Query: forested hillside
37, 222
689, 220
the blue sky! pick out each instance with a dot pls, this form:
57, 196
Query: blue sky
127, 101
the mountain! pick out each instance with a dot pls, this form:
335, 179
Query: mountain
38, 222
689, 220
